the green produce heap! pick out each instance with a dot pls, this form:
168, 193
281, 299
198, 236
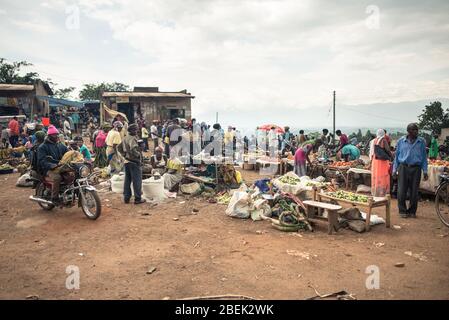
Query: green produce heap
289, 180
351, 196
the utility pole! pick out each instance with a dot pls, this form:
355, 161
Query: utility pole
333, 131
216, 118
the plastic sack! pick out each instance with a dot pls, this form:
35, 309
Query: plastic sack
24, 181
117, 182
263, 185
374, 219
260, 208
290, 188
239, 205
434, 178
363, 189
153, 189
190, 188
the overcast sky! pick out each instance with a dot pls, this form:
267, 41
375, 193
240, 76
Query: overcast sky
239, 55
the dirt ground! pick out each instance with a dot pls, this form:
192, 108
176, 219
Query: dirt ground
208, 253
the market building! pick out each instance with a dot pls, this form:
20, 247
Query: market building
151, 103
24, 99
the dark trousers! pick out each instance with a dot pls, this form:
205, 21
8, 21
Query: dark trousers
133, 174
145, 141
408, 183
13, 140
155, 144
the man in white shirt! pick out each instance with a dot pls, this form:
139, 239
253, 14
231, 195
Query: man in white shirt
273, 141
67, 128
154, 135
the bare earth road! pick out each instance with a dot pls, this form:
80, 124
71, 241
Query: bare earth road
208, 253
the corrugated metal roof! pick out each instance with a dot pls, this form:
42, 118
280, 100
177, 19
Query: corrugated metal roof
17, 87
55, 102
148, 94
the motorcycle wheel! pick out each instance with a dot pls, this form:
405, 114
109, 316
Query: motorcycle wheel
91, 204
40, 192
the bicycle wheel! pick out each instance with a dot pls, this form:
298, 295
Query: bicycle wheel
442, 203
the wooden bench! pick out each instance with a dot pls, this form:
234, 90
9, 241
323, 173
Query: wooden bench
331, 209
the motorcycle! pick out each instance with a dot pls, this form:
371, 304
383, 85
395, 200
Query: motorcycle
74, 188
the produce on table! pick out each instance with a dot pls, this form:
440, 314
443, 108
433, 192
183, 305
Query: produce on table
342, 164
351, 196
289, 180
438, 163
317, 184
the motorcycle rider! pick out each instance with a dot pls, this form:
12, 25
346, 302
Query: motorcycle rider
49, 154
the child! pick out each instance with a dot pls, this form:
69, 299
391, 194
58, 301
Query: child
83, 149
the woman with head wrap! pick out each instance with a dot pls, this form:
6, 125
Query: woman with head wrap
114, 138
101, 159
380, 156
301, 160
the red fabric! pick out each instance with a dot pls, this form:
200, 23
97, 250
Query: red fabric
300, 156
267, 127
344, 139
46, 122
100, 140
388, 139
14, 127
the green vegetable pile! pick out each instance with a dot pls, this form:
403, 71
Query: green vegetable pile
289, 180
351, 196
6, 167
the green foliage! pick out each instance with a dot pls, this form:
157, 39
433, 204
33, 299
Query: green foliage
359, 135
9, 72
434, 118
64, 93
368, 136
93, 91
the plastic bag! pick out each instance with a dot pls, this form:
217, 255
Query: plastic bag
290, 188
24, 181
239, 205
260, 208
363, 189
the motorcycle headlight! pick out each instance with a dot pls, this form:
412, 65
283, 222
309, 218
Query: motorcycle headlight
84, 171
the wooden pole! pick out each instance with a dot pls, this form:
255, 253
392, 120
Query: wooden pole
333, 131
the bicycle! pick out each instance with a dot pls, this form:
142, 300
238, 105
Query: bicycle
442, 199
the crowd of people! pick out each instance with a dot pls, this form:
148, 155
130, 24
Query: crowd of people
120, 146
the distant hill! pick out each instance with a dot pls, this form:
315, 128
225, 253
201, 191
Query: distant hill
390, 116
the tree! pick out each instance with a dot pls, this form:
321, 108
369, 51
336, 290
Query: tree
93, 91
63, 93
359, 135
368, 136
434, 118
9, 72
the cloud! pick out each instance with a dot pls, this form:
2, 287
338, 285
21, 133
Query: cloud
256, 55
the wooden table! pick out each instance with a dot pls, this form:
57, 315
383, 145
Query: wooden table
354, 170
373, 202
332, 213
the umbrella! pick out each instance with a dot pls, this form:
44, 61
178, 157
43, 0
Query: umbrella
267, 127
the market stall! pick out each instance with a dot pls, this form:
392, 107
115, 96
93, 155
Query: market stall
435, 169
357, 200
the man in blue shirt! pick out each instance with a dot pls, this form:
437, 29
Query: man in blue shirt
410, 160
